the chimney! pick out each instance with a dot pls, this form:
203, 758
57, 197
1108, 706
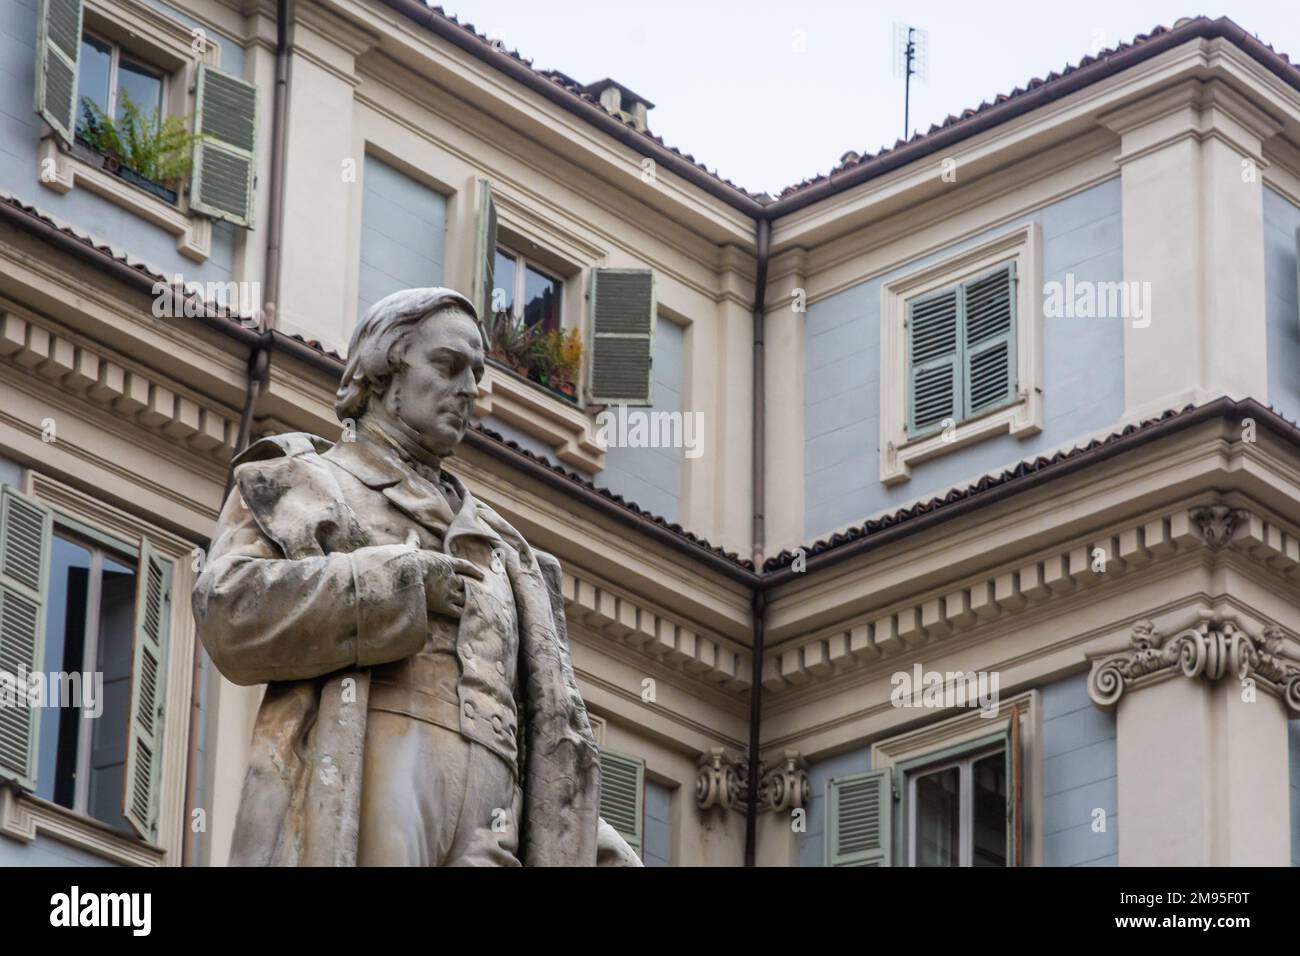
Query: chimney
619, 100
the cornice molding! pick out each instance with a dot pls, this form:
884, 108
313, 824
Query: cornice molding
782, 787
23, 818
566, 428
1011, 589
1213, 647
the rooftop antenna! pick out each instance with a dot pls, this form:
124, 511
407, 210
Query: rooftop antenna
911, 58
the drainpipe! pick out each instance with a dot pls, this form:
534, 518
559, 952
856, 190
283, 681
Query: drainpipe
259, 360
763, 236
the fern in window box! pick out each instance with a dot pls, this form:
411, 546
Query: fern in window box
148, 151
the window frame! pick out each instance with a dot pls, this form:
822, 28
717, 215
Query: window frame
964, 760
522, 265
1021, 416
116, 53
952, 736
100, 546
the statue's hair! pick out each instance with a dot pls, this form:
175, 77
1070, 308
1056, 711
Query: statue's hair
375, 353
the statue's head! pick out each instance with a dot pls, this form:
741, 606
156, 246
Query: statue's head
416, 358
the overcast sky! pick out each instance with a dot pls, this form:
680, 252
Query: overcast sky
768, 92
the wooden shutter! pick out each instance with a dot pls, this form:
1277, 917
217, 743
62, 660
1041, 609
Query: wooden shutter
485, 270
859, 819
222, 186
933, 342
58, 56
26, 530
141, 781
989, 349
622, 336
622, 795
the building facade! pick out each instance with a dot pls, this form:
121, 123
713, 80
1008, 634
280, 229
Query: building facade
965, 476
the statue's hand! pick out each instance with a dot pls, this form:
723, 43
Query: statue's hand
444, 585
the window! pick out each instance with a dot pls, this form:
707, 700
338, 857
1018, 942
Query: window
948, 793
961, 351
84, 58
85, 616
959, 356
526, 292
958, 812
109, 78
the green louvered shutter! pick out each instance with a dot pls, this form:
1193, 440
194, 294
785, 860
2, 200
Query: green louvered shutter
622, 789
58, 55
989, 353
485, 268
933, 368
622, 336
859, 819
26, 529
142, 779
226, 109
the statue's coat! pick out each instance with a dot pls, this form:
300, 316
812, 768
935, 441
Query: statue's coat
311, 580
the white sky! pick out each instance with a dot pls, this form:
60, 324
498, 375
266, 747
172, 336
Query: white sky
730, 88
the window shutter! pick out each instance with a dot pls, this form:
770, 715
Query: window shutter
58, 55
622, 792
622, 339
933, 336
484, 273
989, 320
143, 775
859, 819
26, 529
1015, 793
222, 185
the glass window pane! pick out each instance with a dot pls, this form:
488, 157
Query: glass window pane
65, 641
503, 282
938, 818
144, 88
108, 739
541, 300
990, 810
92, 76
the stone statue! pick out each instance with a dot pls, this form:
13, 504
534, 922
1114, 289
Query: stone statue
421, 707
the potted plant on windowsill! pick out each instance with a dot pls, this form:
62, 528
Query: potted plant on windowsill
149, 152
550, 359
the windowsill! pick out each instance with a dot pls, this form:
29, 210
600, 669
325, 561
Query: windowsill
1022, 417
68, 170
23, 817
541, 414
1016, 418
546, 389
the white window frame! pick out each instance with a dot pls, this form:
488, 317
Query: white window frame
115, 57
965, 802
1023, 416
522, 265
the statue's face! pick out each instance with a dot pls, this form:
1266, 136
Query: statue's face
435, 389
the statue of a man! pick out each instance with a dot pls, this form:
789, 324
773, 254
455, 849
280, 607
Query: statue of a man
421, 706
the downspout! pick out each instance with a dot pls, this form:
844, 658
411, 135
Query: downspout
259, 360
763, 230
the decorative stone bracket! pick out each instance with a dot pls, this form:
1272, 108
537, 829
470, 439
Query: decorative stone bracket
721, 778
1213, 647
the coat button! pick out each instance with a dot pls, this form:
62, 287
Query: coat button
469, 709
496, 723
497, 566
501, 668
